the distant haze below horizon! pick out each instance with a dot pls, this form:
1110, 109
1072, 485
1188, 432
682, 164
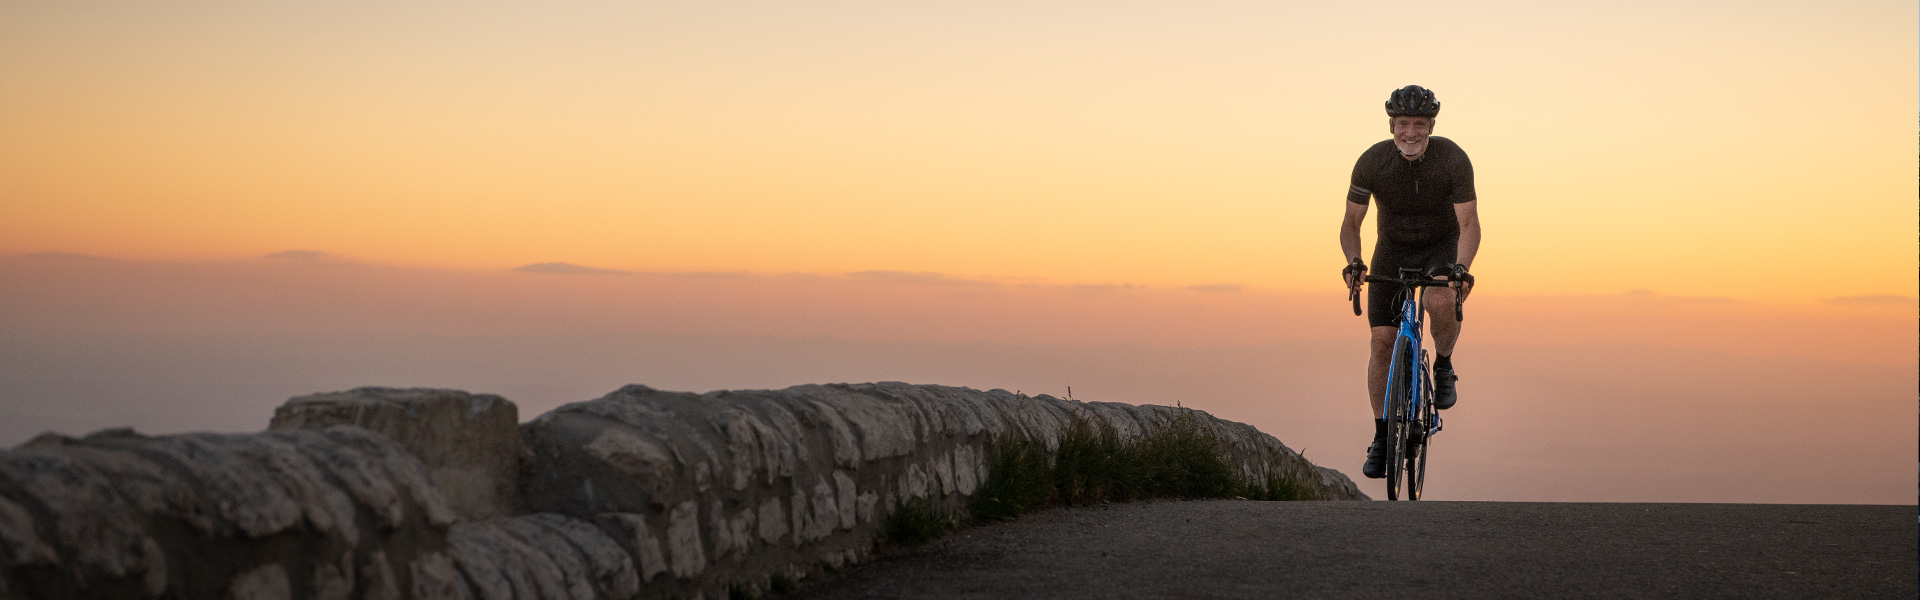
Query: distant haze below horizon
1636, 397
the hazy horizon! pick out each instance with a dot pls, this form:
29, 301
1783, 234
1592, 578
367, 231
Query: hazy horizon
1630, 397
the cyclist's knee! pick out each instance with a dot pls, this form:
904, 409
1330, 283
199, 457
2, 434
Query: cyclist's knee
1440, 303
1383, 339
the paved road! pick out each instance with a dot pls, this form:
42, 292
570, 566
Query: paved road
1240, 549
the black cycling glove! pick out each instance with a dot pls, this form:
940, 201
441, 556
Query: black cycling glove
1460, 274
1354, 272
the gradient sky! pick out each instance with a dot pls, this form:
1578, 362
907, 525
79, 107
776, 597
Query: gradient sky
1677, 147
1084, 185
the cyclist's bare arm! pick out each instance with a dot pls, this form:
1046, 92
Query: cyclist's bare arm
1469, 215
1350, 232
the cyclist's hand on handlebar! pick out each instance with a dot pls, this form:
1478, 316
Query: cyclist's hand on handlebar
1355, 272
1461, 275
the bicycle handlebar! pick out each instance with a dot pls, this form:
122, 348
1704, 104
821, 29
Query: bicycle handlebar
1459, 304
1411, 282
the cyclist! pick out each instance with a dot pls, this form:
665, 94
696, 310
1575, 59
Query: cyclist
1428, 219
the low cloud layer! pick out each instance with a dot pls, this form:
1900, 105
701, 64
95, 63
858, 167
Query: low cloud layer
61, 256
560, 268
1216, 288
1877, 300
915, 278
302, 255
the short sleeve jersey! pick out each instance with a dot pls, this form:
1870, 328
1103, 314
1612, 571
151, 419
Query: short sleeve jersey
1416, 196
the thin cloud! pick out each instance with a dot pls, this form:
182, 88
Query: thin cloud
1874, 300
919, 278
61, 256
1216, 288
1107, 287
301, 255
560, 268
1656, 296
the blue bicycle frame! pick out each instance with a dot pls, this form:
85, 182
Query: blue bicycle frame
1412, 316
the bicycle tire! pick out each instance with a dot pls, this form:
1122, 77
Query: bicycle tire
1421, 429
1399, 395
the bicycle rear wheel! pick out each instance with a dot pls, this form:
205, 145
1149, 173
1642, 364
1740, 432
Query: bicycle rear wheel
1398, 413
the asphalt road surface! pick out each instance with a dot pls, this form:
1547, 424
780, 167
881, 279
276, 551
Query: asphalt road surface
1241, 549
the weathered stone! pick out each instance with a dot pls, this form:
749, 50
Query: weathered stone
328, 509
21, 538
378, 581
634, 535
943, 472
575, 576
914, 483
131, 509
407, 472
333, 581
481, 563
435, 578
483, 546
732, 536
612, 566
864, 506
94, 522
773, 522
826, 511
268, 582
966, 478
801, 515
634, 456
846, 445
844, 498
470, 443
683, 541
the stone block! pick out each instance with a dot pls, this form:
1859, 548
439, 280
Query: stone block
469, 442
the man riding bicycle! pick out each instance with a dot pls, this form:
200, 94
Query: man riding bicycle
1428, 220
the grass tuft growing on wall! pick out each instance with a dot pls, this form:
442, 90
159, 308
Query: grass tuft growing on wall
1178, 458
918, 522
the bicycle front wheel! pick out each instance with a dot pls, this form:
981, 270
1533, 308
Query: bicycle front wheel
1421, 429
1416, 472
1399, 412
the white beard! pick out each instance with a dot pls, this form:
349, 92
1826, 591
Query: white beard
1406, 149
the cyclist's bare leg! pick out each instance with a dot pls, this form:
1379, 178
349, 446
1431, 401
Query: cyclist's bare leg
1378, 362
1440, 322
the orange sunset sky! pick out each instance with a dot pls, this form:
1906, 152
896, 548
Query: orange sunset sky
1698, 216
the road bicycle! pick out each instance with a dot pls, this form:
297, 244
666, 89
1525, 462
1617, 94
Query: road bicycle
1409, 411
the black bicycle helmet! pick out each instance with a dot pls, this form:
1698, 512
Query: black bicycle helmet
1412, 101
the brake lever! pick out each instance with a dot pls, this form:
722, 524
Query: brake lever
1459, 303
1461, 280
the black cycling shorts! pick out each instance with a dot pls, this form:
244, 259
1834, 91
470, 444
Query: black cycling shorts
1382, 310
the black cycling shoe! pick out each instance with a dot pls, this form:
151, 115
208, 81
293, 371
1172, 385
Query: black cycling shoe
1376, 467
1443, 393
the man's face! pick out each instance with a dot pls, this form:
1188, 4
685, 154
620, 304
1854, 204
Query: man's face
1410, 135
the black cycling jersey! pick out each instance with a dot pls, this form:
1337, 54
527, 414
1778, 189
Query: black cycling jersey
1417, 226
1416, 196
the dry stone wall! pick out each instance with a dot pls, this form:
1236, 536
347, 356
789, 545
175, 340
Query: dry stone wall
389, 493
